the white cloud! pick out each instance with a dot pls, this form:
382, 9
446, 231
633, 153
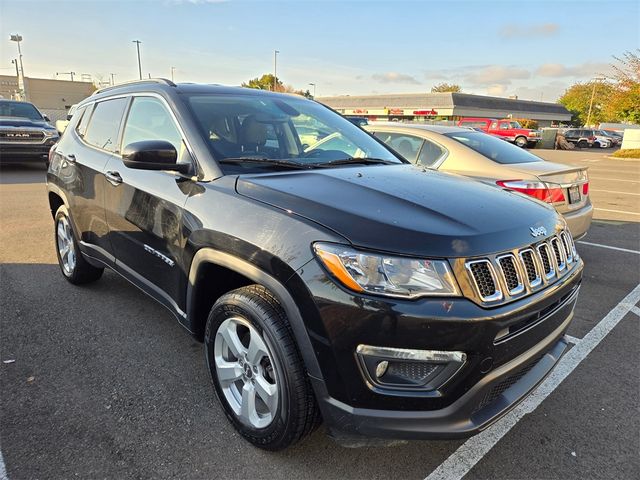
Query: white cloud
496, 74
520, 31
588, 69
497, 90
394, 77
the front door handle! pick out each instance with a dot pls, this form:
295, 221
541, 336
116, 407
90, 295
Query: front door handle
113, 178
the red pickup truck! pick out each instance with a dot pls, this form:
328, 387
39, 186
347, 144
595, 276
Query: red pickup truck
509, 130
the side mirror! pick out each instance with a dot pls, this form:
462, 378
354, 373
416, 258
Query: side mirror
153, 155
46, 118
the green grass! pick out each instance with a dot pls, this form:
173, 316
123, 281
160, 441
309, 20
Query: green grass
627, 153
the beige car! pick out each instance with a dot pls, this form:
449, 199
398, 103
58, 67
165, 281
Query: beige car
492, 160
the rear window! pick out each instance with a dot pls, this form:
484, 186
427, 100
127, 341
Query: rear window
104, 124
493, 148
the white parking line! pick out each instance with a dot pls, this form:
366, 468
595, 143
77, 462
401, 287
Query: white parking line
609, 247
636, 310
3, 469
615, 179
617, 211
473, 450
612, 191
572, 339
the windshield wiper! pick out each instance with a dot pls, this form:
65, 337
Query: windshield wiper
356, 161
264, 161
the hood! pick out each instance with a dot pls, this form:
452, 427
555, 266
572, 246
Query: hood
405, 209
22, 122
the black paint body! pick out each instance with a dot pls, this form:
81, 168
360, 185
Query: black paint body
262, 226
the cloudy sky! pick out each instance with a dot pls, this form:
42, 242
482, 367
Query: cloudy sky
525, 48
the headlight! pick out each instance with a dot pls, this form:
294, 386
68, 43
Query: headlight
387, 275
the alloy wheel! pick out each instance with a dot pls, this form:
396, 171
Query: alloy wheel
246, 372
66, 246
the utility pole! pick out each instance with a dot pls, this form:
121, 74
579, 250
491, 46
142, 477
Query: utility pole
173, 69
113, 82
275, 69
314, 90
21, 85
71, 74
138, 42
593, 94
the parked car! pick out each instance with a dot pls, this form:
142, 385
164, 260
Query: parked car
580, 137
387, 300
25, 134
360, 121
509, 130
611, 139
62, 124
485, 158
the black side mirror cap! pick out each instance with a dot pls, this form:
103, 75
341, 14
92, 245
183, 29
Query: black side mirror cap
153, 155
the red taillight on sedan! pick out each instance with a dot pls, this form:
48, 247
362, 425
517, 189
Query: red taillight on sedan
585, 188
538, 190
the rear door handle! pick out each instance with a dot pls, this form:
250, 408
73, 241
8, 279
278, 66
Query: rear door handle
113, 178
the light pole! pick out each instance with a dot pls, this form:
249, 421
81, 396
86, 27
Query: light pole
138, 42
173, 69
593, 94
275, 69
21, 85
71, 74
314, 90
112, 79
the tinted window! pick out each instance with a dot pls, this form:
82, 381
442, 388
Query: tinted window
149, 119
430, 153
493, 148
406, 145
19, 109
102, 131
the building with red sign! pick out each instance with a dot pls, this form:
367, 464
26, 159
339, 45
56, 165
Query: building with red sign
445, 106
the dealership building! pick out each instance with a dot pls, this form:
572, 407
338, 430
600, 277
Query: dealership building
446, 106
52, 97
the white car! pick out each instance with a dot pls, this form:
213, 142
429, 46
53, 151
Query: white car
601, 141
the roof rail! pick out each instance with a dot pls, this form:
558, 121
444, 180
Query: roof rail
135, 82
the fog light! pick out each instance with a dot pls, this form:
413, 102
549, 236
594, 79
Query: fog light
408, 369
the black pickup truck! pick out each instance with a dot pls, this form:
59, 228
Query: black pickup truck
25, 134
328, 279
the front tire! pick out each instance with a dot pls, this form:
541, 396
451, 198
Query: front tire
257, 371
72, 264
521, 142
583, 144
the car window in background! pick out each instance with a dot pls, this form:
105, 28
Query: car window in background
515, 125
102, 131
494, 125
494, 148
430, 154
16, 109
406, 145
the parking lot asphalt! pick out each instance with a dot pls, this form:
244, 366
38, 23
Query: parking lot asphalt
106, 384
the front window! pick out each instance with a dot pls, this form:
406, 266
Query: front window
20, 110
278, 129
494, 148
515, 124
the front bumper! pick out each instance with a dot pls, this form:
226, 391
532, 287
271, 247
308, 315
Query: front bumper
21, 152
498, 373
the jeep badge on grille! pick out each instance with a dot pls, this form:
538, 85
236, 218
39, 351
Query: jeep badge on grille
536, 232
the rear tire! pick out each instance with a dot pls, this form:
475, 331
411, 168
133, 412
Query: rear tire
72, 264
257, 371
521, 142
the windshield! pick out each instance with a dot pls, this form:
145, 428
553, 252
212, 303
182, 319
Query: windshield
17, 109
515, 125
494, 148
263, 130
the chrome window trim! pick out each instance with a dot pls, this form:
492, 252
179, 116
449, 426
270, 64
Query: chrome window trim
495, 297
520, 288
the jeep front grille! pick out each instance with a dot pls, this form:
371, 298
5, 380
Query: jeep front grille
514, 274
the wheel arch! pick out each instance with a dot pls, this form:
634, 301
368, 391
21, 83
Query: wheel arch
239, 272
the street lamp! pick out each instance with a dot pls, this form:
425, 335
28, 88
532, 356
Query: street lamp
593, 94
314, 90
21, 84
138, 42
112, 79
275, 69
173, 69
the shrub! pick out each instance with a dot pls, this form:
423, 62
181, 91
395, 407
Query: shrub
628, 153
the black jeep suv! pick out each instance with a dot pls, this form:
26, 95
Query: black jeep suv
328, 278
25, 134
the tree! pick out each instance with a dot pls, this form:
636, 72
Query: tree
446, 87
578, 97
265, 82
624, 102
